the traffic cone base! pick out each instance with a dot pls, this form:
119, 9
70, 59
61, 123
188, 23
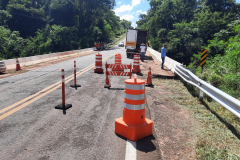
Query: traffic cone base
107, 85
63, 107
75, 86
98, 70
133, 132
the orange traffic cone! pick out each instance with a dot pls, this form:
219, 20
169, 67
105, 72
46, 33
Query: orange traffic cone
107, 83
118, 60
149, 78
17, 65
133, 125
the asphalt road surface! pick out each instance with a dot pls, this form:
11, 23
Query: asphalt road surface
32, 129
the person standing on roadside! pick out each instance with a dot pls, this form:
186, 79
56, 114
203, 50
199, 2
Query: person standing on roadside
143, 50
163, 54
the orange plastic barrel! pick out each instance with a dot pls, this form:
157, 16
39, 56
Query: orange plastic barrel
118, 60
133, 125
136, 64
98, 64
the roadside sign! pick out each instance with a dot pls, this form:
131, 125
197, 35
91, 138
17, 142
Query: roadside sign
203, 58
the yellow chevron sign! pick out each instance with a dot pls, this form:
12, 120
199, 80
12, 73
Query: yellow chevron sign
203, 58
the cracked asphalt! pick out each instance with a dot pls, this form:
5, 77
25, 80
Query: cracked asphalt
86, 131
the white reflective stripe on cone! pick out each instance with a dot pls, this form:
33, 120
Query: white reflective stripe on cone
136, 64
17, 63
134, 97
62, 73
134, 107
98, 60
63, 80
134, 87
136, 60
98, 66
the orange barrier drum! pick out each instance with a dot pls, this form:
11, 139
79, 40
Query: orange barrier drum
133, 125
118, 60
136, 64
98, 64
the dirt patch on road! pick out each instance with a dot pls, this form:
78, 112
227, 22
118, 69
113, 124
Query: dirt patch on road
27, 68
174, 126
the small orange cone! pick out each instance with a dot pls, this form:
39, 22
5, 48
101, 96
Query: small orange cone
107, 83
17, 65
133, 125
149, 78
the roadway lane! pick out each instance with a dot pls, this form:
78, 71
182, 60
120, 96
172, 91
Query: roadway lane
86, 131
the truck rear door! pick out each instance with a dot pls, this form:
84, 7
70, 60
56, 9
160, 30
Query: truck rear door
131, 41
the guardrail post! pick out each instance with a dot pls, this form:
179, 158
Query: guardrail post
201, 94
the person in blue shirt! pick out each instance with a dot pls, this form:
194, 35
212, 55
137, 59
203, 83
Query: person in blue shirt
163, 54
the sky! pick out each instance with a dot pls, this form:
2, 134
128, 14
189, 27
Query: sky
130, 9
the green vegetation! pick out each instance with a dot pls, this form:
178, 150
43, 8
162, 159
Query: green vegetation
34, 27
216, 130
188, 26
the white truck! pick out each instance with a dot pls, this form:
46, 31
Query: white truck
134, 39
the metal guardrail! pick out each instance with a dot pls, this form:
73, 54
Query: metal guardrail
227, 101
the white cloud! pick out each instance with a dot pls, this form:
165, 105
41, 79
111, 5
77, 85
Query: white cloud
135, 2
128, 17
123, 8
134, 25
141, 12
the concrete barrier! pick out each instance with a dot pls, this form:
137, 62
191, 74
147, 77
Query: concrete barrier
11, 63
169, 63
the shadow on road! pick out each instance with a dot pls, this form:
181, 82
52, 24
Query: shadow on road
2, 73
163, 76
150, 86
116, 88
144, 145
148, 57
139, 74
